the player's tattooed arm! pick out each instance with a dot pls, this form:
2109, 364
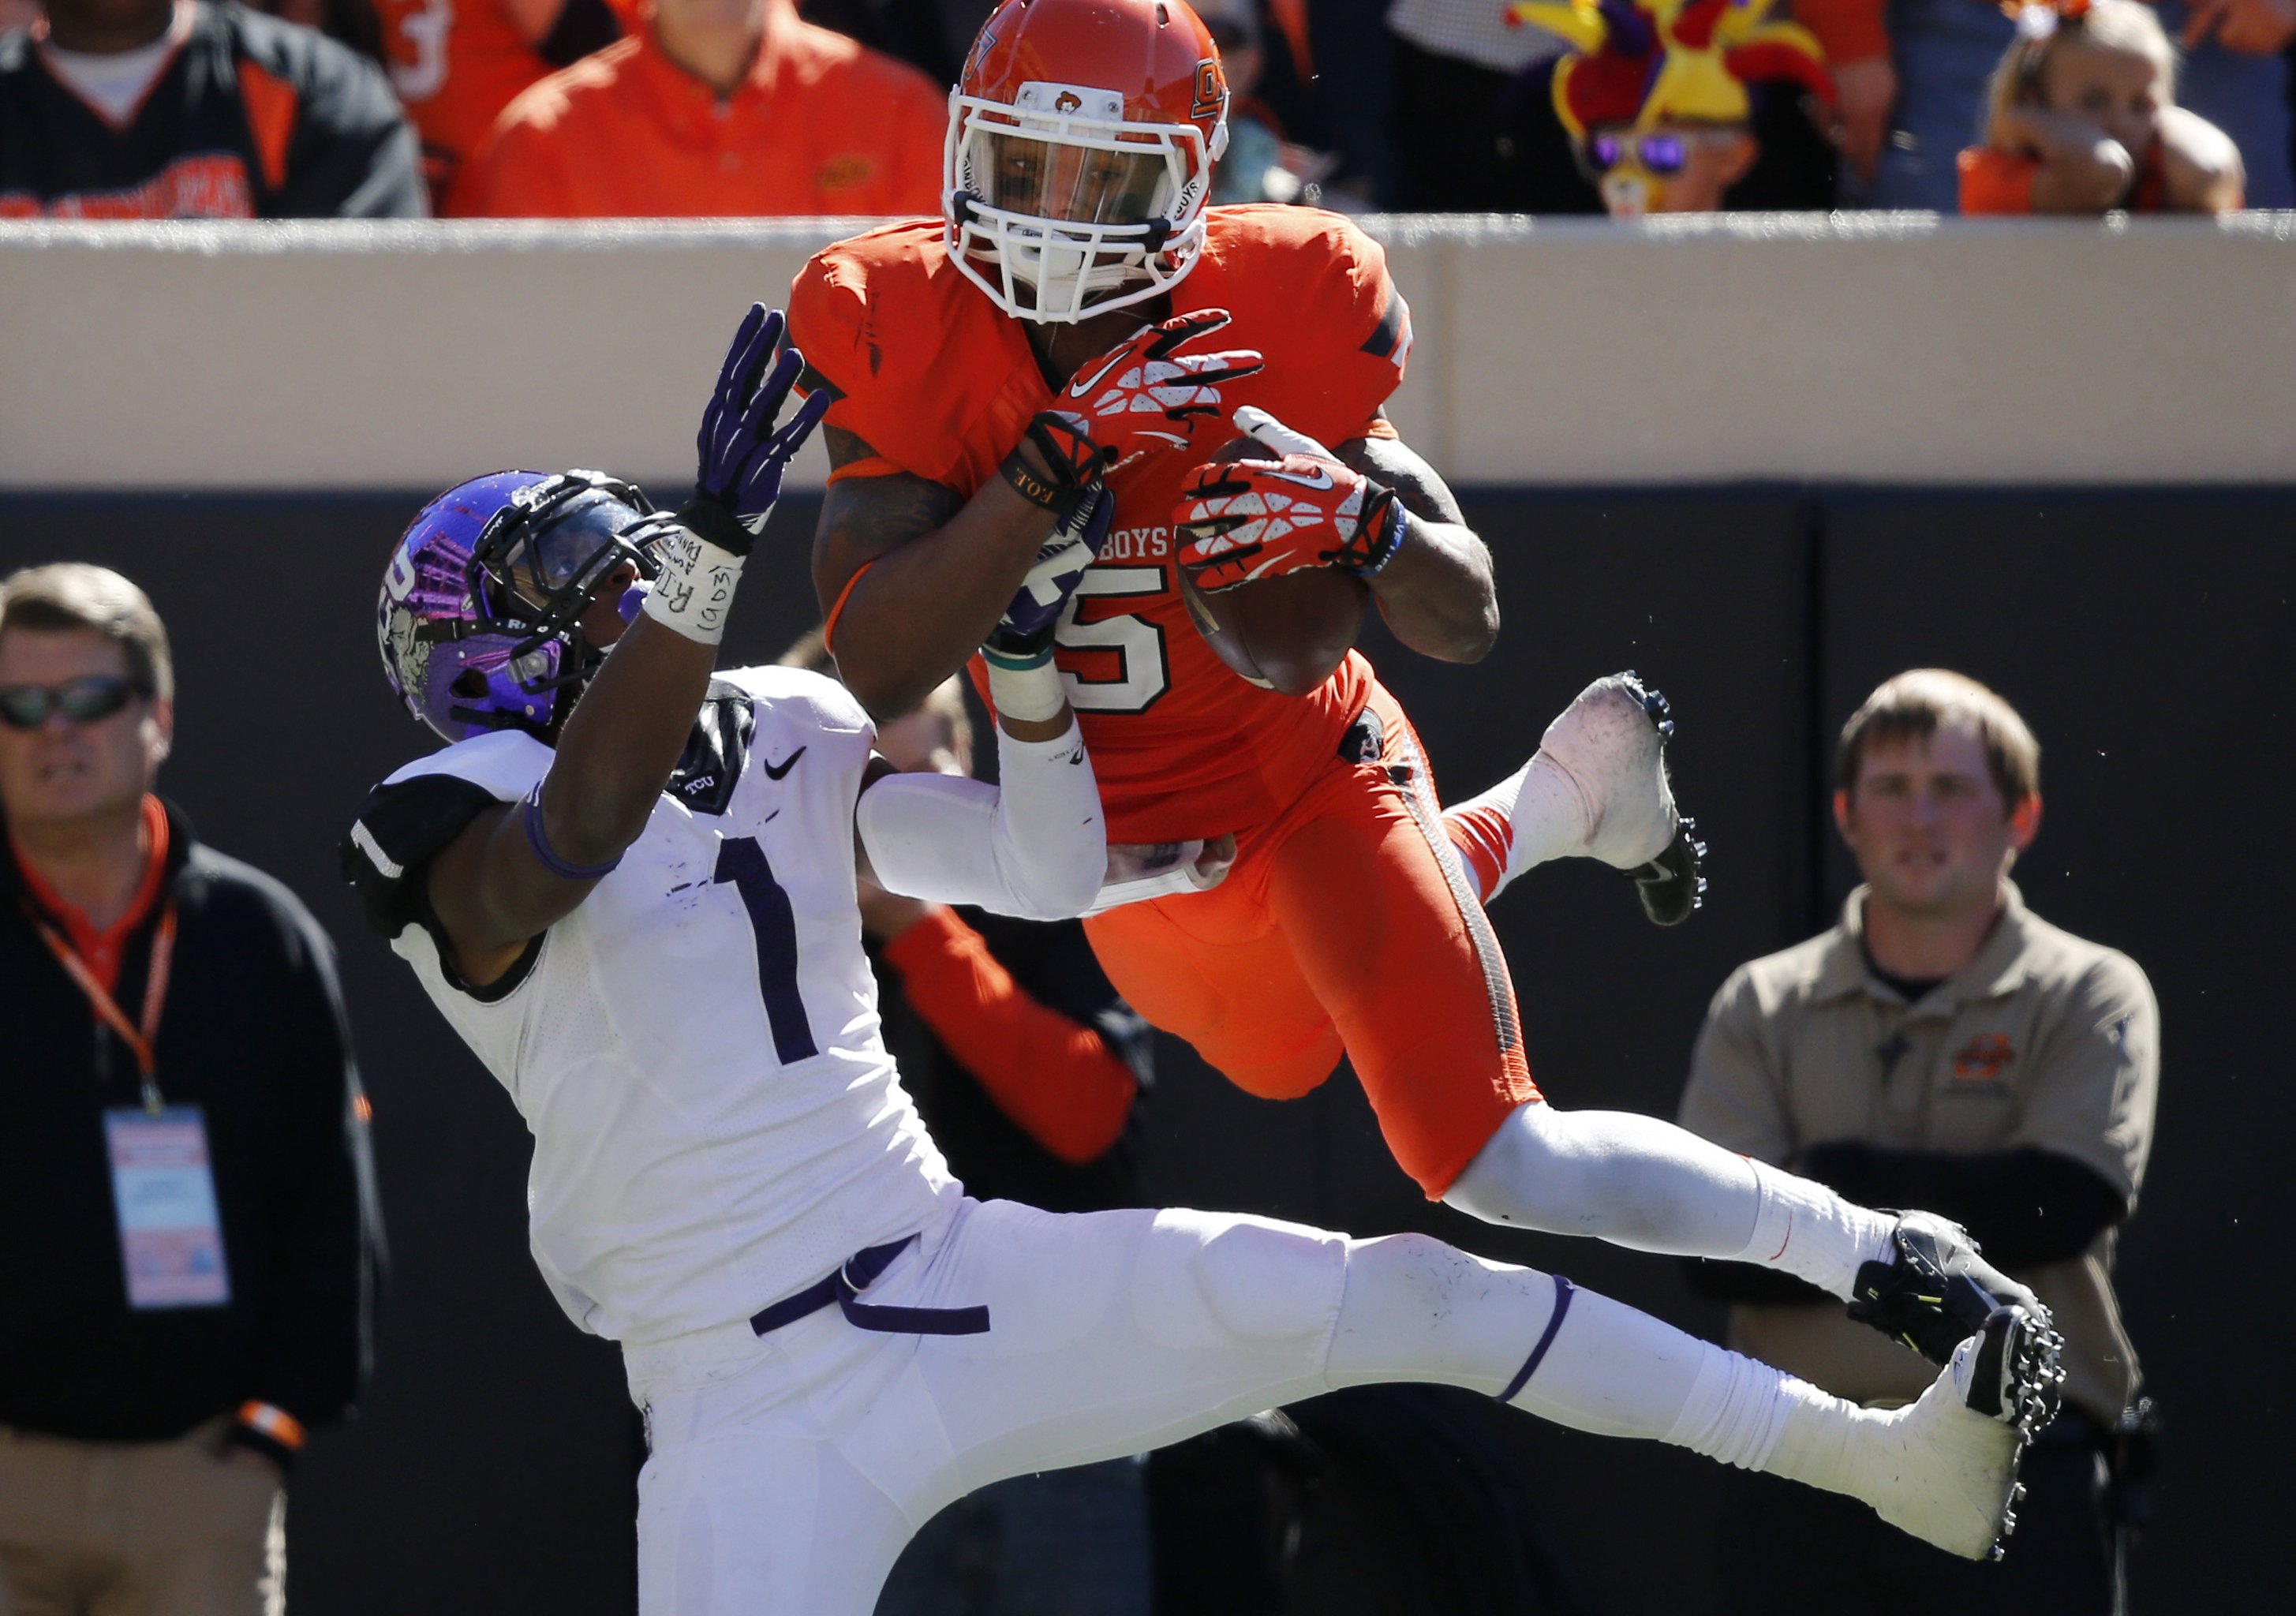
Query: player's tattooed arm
490, 888
940, 570
1437, 595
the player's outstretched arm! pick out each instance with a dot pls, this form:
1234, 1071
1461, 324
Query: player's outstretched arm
518, 869
1032, 845
489, 887
1437, 595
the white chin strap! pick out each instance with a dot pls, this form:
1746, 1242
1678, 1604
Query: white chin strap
1055, 271
1055, 274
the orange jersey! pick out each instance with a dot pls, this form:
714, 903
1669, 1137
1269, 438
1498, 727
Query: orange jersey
2002, 182
822, 126
456, 64
940, 383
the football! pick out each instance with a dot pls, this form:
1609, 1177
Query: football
1285, 634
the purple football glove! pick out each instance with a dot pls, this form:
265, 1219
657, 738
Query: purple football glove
742, 456
1024, 636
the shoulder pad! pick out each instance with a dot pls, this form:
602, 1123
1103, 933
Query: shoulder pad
407, 819
799, 695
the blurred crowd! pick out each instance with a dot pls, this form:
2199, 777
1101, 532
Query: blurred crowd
561, 109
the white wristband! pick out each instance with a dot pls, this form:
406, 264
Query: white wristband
1027, 695
694, 590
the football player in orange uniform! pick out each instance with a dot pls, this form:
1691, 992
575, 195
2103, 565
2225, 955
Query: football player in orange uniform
456, 66
1021, 390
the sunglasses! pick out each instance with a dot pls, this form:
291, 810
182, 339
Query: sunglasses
82, 701
1665, 155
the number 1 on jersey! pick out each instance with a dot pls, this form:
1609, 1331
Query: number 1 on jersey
742, 862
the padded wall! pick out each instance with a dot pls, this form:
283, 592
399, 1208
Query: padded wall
2145, 634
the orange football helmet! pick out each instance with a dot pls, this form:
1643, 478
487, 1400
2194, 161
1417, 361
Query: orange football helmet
1081, 139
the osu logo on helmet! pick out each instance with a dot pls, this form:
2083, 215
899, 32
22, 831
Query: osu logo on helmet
1081, 141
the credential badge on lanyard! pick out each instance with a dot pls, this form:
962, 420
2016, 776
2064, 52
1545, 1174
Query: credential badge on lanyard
163, 1182
170, 1231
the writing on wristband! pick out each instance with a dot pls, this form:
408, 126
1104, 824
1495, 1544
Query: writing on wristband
1074, 464
1034, 488
273, 1421
694, 592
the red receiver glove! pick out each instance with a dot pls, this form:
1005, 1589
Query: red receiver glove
1254, 519
1140, 396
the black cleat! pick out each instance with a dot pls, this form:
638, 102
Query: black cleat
1610, 745
1944, 1467
2018, 1376
1939, 1292
1670, 886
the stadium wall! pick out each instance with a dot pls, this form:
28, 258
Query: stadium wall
1897, 349
255, 479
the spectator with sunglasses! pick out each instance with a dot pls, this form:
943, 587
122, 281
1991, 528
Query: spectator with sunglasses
187, 1236
1661, 121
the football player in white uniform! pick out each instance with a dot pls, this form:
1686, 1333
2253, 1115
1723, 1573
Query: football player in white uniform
645, 926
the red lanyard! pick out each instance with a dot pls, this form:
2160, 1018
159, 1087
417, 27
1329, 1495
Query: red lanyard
140, 1040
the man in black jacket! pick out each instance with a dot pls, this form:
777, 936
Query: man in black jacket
178, 109
188, 1240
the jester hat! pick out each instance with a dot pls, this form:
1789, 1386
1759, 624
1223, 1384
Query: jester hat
1645, 62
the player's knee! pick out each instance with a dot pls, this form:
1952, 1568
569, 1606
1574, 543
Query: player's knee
1522, 1176
1261, 1280
1287, 1077
1416, 1274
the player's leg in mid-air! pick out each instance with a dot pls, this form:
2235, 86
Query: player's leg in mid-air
1352, 923
787, 1470
1596, 788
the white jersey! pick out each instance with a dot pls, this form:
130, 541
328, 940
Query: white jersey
716, 1123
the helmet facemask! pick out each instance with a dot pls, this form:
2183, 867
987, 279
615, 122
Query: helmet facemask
1059, 208
541, 561
490, 637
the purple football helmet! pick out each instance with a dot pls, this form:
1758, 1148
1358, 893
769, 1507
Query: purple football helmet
480, 615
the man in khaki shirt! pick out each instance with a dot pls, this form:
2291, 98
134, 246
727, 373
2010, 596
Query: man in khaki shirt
1943, 1047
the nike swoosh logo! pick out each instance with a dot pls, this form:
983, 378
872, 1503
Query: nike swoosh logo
1083, 384
1322, 479
787, 764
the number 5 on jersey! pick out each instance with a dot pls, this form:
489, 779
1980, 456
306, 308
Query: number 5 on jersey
1138, 644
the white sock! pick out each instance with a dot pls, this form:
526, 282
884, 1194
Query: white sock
1812, 1234
1547, 817
1737, 1410
1823, 1439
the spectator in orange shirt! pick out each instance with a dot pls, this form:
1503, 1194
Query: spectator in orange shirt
2084, 118
457, 63
715, 109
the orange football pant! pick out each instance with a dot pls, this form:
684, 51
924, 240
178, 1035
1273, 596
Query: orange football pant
1348, 926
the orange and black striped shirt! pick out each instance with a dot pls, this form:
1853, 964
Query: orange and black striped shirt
251, 117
